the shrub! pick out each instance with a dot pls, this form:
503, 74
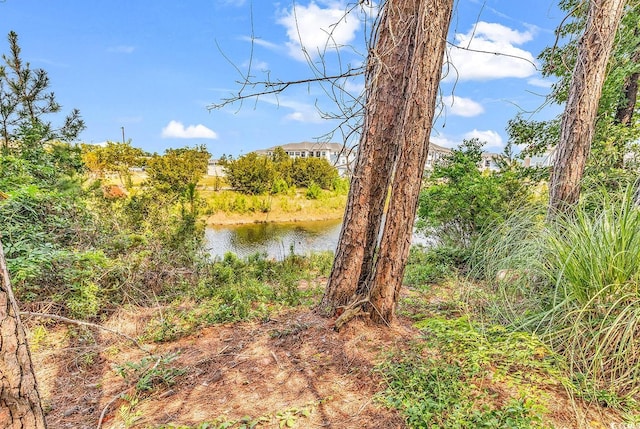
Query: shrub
251, 173
459, 201
576, 283
313, 191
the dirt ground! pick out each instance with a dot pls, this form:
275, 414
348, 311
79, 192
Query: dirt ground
293, 370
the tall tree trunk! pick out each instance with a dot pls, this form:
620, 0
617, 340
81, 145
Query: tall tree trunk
431, 23
385, 80
578, 120
403, 74
20, 406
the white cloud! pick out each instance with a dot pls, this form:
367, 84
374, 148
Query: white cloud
261, 42
302, 112
492, 139
488, 51
177, 130
256, 65
354, 87
460, 106
317, 29
122, 49
542, 83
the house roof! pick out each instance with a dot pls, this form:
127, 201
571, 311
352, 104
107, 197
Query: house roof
437, 148
334, 147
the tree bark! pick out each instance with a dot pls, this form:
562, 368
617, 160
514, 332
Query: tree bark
385, 81
431, 23
403, 75
578, 121
20, 406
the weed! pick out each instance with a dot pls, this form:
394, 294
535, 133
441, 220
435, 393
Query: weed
127, 412
450, 384
150, 372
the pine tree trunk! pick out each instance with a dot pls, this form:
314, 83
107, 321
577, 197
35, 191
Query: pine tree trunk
431, 23
20, 406
403, 75
578, 120
386, 79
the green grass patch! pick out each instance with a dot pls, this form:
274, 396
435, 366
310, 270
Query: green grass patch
461, 376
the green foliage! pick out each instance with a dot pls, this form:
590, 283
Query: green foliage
25, 103
459, 201
616, 131
575, 282
251, 173
150, 373
255, 174
233, 289
313, 191
341, 185
431, 265
114, 157
452, 388
178, 169
308, 171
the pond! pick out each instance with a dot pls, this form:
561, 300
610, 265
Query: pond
278, 240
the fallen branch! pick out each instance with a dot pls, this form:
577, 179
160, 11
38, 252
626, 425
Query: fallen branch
83, 323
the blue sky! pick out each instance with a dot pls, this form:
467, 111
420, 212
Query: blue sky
153, 67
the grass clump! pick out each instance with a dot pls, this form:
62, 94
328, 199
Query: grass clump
575, 281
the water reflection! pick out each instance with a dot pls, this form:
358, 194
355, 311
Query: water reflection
277, 240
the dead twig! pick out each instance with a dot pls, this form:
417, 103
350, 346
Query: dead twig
83, 323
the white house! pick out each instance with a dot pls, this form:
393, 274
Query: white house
435, 154
340, 156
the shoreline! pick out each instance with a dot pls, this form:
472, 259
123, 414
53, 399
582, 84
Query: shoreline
230, 219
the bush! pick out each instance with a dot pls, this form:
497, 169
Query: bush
459, 201
426, 266
313, 191
251, 173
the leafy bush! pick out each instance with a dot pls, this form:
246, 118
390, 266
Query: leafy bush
250, 173
256, 174
459, 201
430, 265
313, 191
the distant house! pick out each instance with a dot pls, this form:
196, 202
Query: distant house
340, 156
544, 159
488, 161
435, 154
215, 169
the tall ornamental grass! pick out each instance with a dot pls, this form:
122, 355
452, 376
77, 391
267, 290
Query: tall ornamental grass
575, 282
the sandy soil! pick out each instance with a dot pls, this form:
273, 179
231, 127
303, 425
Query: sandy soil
292, 368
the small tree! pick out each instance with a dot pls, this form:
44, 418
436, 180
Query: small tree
459, 200
25, 101
251, 173
115, 158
